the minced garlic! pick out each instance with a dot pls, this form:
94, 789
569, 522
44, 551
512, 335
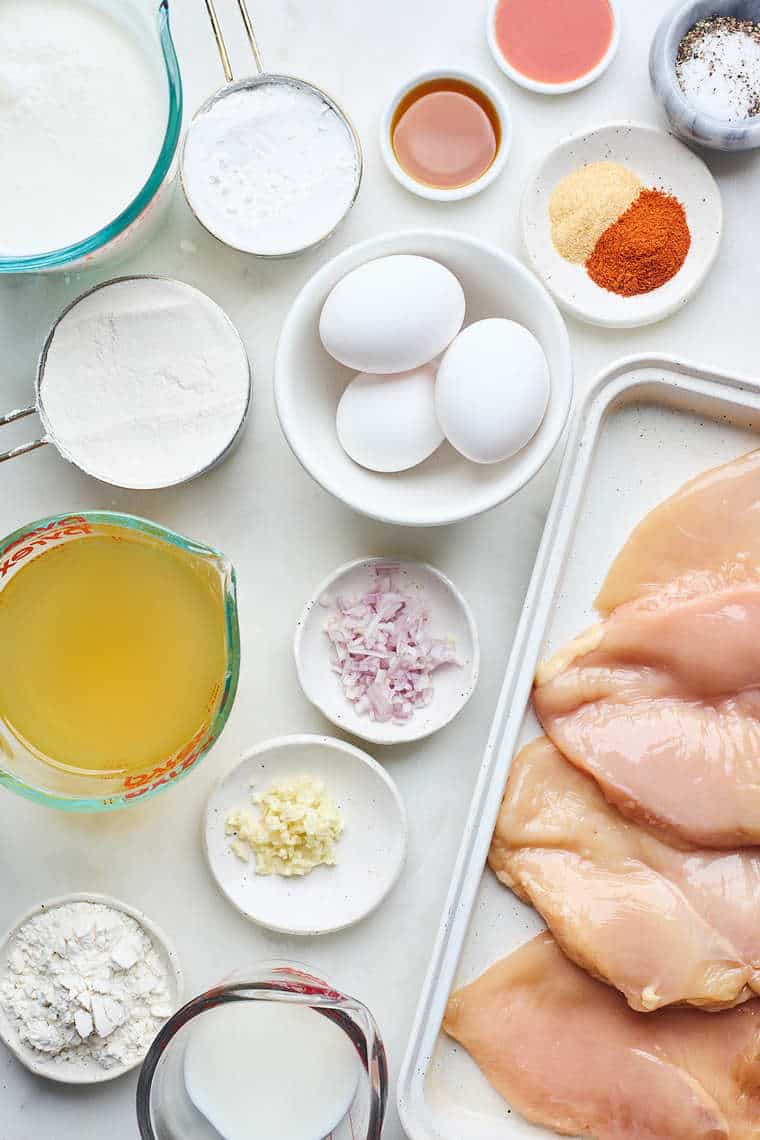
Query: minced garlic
295, 832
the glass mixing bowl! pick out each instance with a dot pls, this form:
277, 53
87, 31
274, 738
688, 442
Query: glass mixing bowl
21, 769
164, 1108
149, 20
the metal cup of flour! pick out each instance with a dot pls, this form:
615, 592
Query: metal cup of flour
271, 164
142, 382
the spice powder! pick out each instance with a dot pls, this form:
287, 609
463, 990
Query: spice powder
718, 67
585, 203
644, 248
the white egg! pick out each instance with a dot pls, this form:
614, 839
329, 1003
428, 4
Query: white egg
392, 314
492, 390
388, 423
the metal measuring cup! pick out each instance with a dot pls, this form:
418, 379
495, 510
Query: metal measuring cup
39, 408
260, 79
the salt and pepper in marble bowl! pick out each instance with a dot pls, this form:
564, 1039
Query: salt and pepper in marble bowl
686, 120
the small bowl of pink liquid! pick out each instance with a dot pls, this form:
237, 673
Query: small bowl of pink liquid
273, 1049
553, 46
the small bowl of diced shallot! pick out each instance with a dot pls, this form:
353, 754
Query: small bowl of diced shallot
387, 649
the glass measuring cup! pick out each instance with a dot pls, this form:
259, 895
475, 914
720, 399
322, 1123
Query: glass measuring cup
149, 21
263, 78
164, 1108
22, 770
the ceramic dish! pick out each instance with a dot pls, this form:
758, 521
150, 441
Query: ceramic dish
661, 162
446, 487
450, 615
84, 1074
648, 424
684, 119
455, 193
370, 852
552, 88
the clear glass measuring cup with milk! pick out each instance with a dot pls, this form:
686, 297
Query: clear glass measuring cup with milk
276, 1054
90, 118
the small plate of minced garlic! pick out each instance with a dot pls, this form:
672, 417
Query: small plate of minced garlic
306, 835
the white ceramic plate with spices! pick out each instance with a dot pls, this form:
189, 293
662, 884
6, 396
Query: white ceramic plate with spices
449, 620
369, 854
89, 1072
661, 163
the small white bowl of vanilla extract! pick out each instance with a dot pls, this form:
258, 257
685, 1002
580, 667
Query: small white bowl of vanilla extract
446, 134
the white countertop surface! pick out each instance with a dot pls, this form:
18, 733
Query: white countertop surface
284, 533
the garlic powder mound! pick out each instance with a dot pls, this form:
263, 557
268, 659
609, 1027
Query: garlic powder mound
586, 203
296, 829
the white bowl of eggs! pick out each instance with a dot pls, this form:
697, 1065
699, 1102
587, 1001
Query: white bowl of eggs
423, 377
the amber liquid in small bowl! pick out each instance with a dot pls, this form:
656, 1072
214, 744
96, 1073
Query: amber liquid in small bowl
445, 133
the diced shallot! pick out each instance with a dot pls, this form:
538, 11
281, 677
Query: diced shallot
383, 652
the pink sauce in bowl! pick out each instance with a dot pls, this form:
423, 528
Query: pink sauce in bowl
552, 42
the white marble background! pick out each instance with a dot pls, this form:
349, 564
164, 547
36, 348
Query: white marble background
284, 534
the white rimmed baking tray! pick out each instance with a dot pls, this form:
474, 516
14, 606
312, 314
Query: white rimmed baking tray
648, 424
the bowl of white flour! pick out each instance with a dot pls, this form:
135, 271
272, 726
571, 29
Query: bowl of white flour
86, 982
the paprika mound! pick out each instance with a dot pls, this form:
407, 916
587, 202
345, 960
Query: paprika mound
644, 248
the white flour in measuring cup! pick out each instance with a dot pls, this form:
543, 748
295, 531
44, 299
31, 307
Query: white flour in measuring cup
270, 169
83, 111
145, 383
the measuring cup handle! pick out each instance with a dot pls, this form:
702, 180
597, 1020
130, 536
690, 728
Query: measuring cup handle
220, 41
9, 418
17, 414
21, 449
242, 5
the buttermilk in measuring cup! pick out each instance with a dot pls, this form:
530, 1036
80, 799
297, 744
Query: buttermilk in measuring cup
83, 112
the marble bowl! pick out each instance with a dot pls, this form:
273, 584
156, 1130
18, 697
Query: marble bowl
685, 120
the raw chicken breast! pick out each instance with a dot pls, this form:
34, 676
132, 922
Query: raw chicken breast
568, 1053
662, 925
711, 524
661, 704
